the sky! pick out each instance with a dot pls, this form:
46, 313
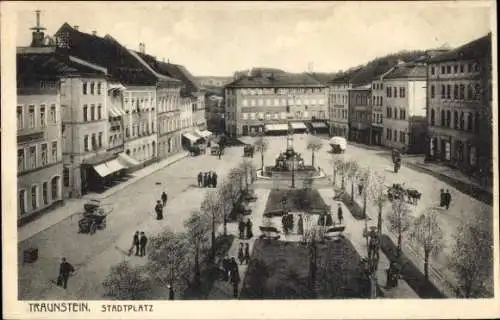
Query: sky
218, 39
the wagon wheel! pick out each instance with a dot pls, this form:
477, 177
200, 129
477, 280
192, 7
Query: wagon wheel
93, 227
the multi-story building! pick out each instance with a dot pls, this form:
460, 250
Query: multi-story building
459, 107
339, 106
360, 113
39, 156
214, 105
404, 106
378, 99
269, 102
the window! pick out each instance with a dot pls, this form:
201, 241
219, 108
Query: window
84, 88
86, 142
443, 70
261, 102
395, 113
455, 68
395, 92
92, 88
34, 197
455, 119
381, 101
31, 116
477, 92
45, 192
20, 122
42, 116
98, 88
44, 154
100, 139
448, 69
470, 92
32, 157
433, 117
448, 91
402, 114
462, 92
252, 115
94, 141
402, 92
469, 121
462, 121
433, 71
55, 187
433, 91
443, 118
20, 160
53, 113
245, 102
99, 114
22, 201
389, 92
92, 112
388, 111
448, 119
85, 113
401, 137
54, 151
476, 67
461, 68
469, 67
244, 116
455, 92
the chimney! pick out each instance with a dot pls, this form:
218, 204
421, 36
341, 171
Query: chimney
37, 35
94, 33
76, 27
142, 48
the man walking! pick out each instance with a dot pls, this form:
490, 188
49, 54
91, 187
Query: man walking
241, 228
65, 270
442, 198
235, 277
164, 198
142, 242
447, 199
340, 215
200, 179
135, 243
214, 179
159, 210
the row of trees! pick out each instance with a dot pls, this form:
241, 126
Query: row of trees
472, 251
174, 259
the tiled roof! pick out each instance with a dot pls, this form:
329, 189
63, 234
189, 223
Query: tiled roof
47, 65
476, 49
156, 65
408, 70
277, 80
108, 53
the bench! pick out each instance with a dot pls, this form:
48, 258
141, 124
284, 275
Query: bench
334, 233
269, 233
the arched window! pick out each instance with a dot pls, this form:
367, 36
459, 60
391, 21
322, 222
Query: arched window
54, 185
443, 118
433, 117
448, 118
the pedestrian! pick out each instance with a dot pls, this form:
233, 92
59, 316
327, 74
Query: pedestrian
65, 270
200, 179
360, 187
142, 243
226, 266
300, 225
135, 243
442, 198
235, 277
164, 198
205, 179
241, 228
290, 222
340, 215
159, 210
447, 199
247, 253
220, 152
214, 177
210, 179
249, 229
241, 255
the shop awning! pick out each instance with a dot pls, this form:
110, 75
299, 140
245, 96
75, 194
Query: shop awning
107, 168
298, 125
318, 125
276, 127
191, 137
115, 111
127, 159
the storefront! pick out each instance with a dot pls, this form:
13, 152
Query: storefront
276, 129
298, 127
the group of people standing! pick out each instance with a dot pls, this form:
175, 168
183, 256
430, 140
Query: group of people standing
245, 229
207, 179
231, 273
445, 200
139, 242
244, 253
160, 204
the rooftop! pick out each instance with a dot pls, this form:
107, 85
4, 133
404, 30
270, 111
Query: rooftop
475, 49
273, 80
408, 70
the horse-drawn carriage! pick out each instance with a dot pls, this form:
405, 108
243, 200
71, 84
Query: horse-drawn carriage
398, 192
248, 150
215, 149
94, 217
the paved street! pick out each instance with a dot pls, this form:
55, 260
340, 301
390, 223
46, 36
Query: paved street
132, 210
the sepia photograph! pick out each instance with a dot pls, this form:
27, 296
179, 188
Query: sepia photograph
250, 151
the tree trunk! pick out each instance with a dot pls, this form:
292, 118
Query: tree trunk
373, 286
342, 185
312, 159
352, 191
379, 221
426, 264
213, 239
225, 225
334, 177
398, 253
364, 206
262, 162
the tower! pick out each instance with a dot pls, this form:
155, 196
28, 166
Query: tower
37, 34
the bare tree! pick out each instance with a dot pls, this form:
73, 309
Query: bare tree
364, 179
127, 283
247, 168
261, 145
230, 193
197, 226
427, 232
314, 144
169, 260
352, 171
472, 257
399, 219
212, 206
310, 238
336, 166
